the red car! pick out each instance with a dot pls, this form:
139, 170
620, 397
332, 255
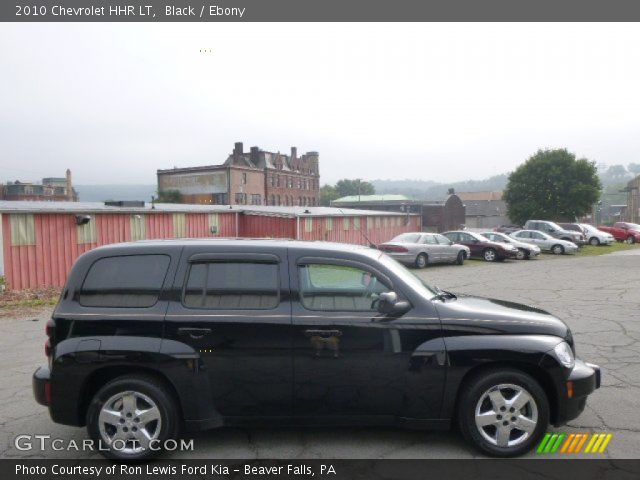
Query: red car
624, 231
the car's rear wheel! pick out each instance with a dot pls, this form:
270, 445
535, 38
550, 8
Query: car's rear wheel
422, 260
594, 241
131, 417
503, 413
631, 239
557, 249
522, 254
460, 258
490, 255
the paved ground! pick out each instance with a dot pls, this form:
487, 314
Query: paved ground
599, 297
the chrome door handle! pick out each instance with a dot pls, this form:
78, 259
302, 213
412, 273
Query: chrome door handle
323, 333
195, 333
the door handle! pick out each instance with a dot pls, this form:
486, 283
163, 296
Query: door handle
323, 333
195, 333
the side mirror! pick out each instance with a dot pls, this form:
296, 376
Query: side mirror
389, 304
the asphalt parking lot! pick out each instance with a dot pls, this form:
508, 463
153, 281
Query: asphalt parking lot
599, 297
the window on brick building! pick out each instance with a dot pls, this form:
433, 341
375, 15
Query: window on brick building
244, 179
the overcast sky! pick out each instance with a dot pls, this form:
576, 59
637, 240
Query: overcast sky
443, 102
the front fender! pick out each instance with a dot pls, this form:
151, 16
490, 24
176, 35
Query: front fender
467, 353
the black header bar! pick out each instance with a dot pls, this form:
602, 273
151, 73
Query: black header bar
317, 10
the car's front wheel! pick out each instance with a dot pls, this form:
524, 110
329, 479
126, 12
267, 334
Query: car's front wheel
503, 413
594, 241
522, 254
131, 417
631, 239
557, 249
490, 255
460, 258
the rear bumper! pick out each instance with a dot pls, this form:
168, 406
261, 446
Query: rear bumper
41, 383
583, 380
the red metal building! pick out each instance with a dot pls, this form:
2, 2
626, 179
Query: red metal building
41, 240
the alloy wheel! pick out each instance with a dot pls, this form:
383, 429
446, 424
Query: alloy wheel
521, 254
506, 415
557, 249
490, 255
129, 421
594, 241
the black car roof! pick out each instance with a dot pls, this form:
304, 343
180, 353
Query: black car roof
249, 243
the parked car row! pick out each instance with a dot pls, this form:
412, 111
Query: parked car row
420, 249
581, 233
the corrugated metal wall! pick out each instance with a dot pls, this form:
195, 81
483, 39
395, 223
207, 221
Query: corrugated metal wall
39, 249
261, 226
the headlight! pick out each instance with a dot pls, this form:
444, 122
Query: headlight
564, 354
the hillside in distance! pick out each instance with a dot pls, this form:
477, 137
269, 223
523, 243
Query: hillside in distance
102, 193
429, 190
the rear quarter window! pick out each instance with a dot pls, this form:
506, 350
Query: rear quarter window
130, 281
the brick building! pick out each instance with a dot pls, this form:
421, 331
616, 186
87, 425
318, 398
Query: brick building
257, 177
59, 189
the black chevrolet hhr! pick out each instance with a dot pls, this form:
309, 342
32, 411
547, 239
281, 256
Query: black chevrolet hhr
156, 337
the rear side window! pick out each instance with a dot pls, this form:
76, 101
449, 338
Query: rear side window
125, 281
232, 286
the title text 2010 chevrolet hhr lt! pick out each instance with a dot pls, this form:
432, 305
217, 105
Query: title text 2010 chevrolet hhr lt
149, 338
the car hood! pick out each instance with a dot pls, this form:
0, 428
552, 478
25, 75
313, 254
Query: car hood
477, 315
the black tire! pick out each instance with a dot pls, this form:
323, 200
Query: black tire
594, 241
151, 389
557, 249
422, 260
631, 239
490, 255
460, 258
522, 254
474, 390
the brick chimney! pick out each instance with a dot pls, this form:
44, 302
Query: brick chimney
255, 154
69, 186
237, 150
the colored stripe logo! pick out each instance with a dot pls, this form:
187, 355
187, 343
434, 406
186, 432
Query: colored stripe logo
574, 443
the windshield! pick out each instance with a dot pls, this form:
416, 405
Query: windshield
412, 280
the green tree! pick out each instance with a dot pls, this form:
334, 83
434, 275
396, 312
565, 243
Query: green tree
169, 196
327, 195
347, 187
552, 185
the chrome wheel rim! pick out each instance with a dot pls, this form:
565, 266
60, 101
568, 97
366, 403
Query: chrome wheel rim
506, 415
129, 421
557, 249
490, 255
422, 261
520, 255
594, 241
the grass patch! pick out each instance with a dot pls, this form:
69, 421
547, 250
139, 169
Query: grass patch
590, 250
13, 301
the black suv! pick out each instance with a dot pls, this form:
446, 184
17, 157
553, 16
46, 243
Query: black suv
149, 338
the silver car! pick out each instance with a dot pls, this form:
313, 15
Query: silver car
545, 241
421, 249
525, 250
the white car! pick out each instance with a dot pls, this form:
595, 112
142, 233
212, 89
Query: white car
421, 249
545, 241
595, 236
